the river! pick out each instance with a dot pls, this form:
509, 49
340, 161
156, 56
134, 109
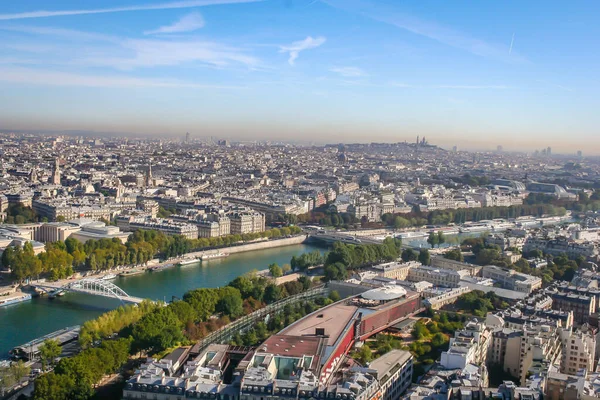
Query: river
23, 322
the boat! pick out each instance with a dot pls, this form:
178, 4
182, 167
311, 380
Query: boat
131, 272
470, 228
30, 350
501, 225
206, 257
188, 261
444, 230
412, 235
15, 300
160, 267
108, 277
527, 222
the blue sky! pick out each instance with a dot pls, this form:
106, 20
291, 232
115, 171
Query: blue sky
475, 74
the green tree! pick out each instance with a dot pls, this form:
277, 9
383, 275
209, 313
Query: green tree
49, 351
364, 354
11, 375
433, 239
424, 257
409, 255
52, 386
441, 238
275, 270
231, 305
336, 272
272, 293
454, 254
334, 296
439, 340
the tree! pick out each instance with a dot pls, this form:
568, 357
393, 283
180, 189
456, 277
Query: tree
424, 257
275, 270
420, 331
49, 351
454, 254
334, 296
272, 293
53, 387
230, 305
401, 223
439, 340
433, 239
441, 238
336, 272
364, 354
409, 255
11, 375
487, 256
286, 268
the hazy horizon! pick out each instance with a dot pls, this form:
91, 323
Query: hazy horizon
476, 76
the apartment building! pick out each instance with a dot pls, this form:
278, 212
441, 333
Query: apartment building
438, 261
469, 345
396, 270
170, 227
527, 350
437, 276
581, 305
246, 222
511, 279
394, 372
578, 351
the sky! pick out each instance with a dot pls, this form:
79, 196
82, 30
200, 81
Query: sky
524, 75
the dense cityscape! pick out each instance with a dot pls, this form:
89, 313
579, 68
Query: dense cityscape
414, 271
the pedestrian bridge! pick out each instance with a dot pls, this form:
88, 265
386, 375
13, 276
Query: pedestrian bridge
96, 287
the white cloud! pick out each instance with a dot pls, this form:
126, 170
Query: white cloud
76, 48
142, 53
295, 48
141, 7
349, 72
188, 23
58, 78
429, 29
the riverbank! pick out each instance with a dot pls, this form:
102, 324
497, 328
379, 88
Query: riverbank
242, 248
39, 316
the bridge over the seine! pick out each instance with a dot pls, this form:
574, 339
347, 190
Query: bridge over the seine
96, 287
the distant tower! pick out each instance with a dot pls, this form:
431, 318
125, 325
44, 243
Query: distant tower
417, 140
32, 176
549, 151
149, 175
454, 149
499, 149
187, 138
56, 173
579, 153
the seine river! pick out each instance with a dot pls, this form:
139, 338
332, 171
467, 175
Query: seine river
26, 321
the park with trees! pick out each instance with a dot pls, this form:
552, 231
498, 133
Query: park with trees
150, 328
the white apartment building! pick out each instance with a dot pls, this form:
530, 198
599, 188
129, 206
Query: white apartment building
437, 276
170, 227
468, 346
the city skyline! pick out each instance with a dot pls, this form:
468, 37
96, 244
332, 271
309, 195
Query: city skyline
327, 71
